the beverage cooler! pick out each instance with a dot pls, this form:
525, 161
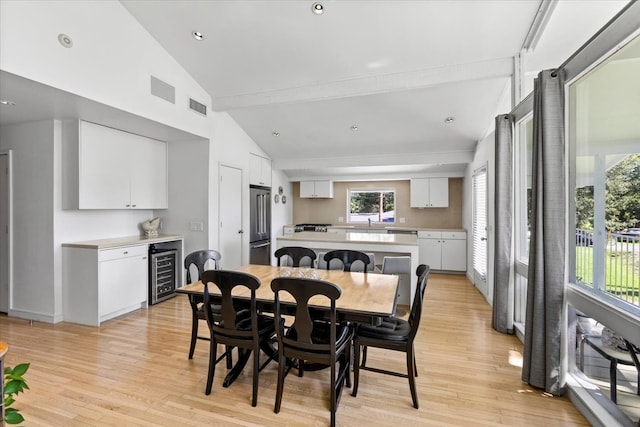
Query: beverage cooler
163, 270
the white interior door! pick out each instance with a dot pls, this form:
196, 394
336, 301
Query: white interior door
230, 202
4, 232
480, 230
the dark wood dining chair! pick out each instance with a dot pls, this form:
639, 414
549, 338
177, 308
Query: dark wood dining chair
295, 254
198, 260
235, 327
312, 337
348, 257
393, 334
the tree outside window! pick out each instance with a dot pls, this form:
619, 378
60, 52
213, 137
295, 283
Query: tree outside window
372, 205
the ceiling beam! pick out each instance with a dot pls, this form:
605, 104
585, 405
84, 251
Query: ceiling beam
367, 85
438, 158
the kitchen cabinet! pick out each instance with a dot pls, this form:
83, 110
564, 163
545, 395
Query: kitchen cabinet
316, 189
443, 250
260, 171
107, 278
429, 192
102, 284
123, 278
105, 168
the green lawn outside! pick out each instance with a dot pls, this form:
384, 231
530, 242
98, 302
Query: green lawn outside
622, 271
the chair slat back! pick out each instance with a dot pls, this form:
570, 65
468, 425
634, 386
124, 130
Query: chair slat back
416, 309
302, 290
347, 257
295, 254
199, 260
225, 281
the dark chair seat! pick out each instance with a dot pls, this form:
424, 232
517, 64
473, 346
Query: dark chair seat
320, 334
391, 328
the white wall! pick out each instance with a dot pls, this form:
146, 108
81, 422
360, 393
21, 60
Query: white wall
32, 151
111, 60
188, 194
485, 155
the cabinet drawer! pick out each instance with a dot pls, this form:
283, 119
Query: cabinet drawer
124, 252
429, 234
454, 235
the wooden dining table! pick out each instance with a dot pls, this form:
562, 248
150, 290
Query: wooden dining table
364, 298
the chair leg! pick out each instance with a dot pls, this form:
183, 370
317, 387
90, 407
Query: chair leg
194, 331
415, 365
356, 366
281, 372
333, 394
613, 380
411, 368
256, 370
213, 355
348, 363
364, 356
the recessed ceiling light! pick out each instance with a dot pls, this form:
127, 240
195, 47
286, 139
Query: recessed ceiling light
7, 102
317, 8
65, 40
449, 120
198, 35
275, 133
354, 127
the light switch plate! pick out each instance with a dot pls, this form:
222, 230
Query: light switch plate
402, 220
340, 219
196, 226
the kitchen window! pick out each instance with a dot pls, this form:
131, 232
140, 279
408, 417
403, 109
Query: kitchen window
371, 206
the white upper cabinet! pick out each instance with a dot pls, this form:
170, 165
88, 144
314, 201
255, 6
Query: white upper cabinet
429, 192
260, 171
106, 168
316, 189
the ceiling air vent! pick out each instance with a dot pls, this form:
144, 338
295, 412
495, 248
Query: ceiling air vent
163, 90
198, 107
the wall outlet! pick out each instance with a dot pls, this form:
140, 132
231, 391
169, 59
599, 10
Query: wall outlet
340, 219
402, 220
196, 226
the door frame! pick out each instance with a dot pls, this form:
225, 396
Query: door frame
8, 203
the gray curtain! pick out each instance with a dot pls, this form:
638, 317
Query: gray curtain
545, 286
503, 260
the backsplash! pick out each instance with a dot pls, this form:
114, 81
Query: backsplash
328, 210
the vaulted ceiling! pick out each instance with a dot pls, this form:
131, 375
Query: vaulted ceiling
299, 84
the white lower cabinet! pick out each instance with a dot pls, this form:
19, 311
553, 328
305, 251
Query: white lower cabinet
123, 279
100, 284
443, 250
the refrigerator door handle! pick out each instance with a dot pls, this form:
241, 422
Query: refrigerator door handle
261, 246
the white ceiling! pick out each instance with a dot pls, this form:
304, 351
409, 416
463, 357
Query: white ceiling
396, 69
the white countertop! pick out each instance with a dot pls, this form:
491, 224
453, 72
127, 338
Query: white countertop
122, 241
352, 237
389, 227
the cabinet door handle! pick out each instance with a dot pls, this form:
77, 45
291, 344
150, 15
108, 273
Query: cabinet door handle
125, 252
127, 206
133, 206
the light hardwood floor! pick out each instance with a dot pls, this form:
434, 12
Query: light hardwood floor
134, 371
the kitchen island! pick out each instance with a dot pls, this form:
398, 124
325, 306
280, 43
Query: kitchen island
391, 244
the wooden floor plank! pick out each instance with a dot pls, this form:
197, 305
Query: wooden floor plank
134, 371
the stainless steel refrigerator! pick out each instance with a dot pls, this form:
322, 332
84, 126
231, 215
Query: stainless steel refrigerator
260, 230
